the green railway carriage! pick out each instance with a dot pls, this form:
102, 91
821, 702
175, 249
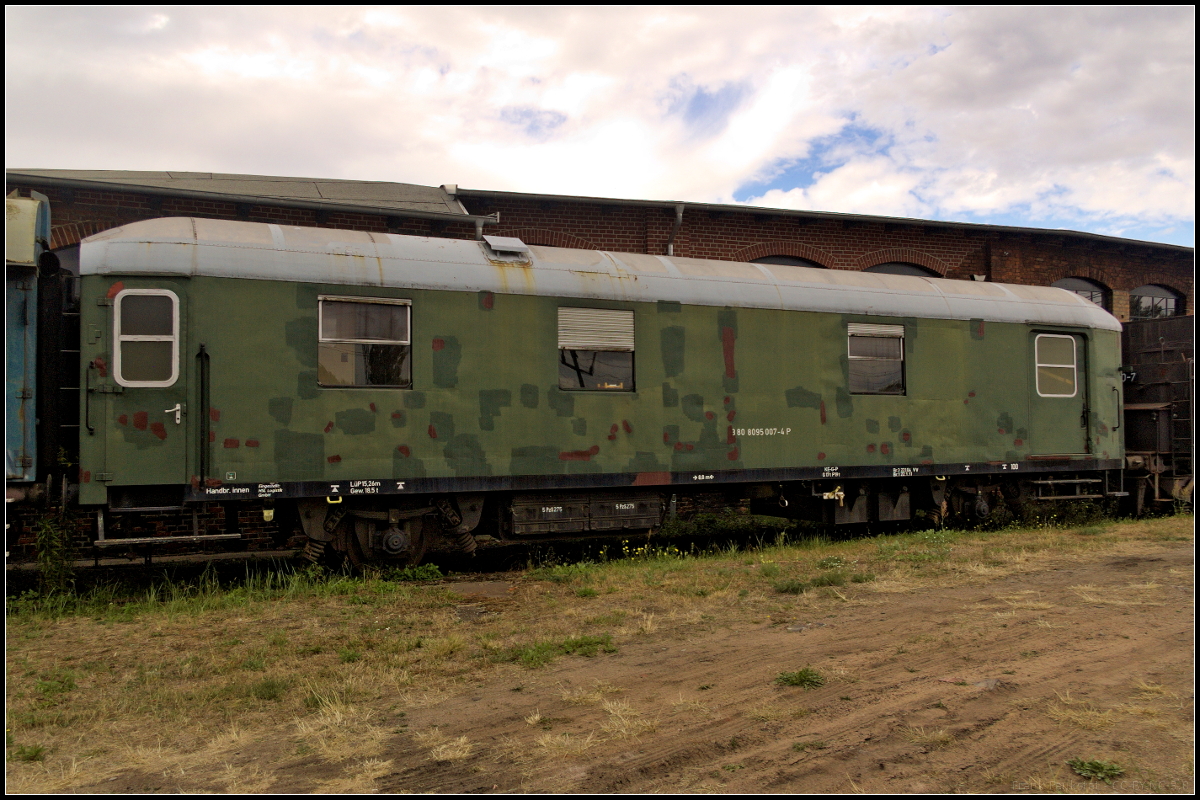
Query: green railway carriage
398, 389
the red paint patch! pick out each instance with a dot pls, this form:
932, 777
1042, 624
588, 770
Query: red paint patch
195, 482
334, 459
489, 300
212, 436
689, 448
727, 401
965, 401
980, 328
232, 443
252, 443
140, 420
727, 339
709, 415
87, 476
652, 478
970, 394
123, 419
666, 438
822, 412
679, 445
372, 406
579, 455
733, 454
329, 427
101, 367
820, 456
214, 414
729, 437
115, 289
870, 448
1001, 430
1018, 442
731, 415
439, 344
612, 437
885, 448
404, 451
906, 436
397, 415
613, 429
159, 430
212, 482
432, 431
927, 461
625, 424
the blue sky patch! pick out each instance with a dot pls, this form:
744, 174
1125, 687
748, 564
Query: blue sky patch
825, 154
537, 123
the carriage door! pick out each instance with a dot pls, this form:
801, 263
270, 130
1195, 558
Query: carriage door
147, 417
1060, 399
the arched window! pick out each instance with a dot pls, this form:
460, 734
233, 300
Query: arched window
1153, 301
787, 261
1098, 293
902, 268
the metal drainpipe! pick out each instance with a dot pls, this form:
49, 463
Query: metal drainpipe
675, 230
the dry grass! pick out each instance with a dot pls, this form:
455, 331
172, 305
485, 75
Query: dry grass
444, 748
1081, 713
939, 737
323, 668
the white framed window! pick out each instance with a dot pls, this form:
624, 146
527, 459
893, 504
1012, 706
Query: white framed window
146, 338
595, 349
1056, 365
876, 354
364, 341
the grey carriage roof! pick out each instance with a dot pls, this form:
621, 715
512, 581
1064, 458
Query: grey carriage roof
222, 248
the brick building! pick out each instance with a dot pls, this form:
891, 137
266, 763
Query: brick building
1130, 278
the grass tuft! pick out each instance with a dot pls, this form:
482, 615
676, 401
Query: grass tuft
806, 678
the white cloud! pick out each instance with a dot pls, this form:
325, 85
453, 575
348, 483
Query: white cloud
1086, 113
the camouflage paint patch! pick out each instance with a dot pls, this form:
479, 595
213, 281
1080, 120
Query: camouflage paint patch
1004, 423
306, 385
673, 341
299, 456
487, 301
669, 307
301, 335
693, 407
977, 329
414, 400
727, 331
894, 424
535, 460
404, 466
355, 421
845, 404
446, 358
579, 426
927, 452
441, 425
280, 409
872, 426
670, 434
466, 457
399, 419
670, 396
906, 437
490, 403
799, 397
529, 395
645, 462
306, 297
563, 403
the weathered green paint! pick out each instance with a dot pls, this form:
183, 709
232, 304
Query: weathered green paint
970, 397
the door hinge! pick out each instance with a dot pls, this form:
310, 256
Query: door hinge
26, 462
25, 394
103, 476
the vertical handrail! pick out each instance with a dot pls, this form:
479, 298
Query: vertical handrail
203, 358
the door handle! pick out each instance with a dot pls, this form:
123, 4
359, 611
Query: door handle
178, 409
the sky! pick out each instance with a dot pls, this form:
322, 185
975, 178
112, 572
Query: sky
1076, 118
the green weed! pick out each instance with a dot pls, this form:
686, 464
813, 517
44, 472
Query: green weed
1097, 770
806, 678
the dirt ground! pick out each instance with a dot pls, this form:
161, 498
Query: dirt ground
988, 685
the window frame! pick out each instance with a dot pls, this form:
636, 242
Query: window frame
605, 338
119, 338
871, 331
323, 339
1037, 364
